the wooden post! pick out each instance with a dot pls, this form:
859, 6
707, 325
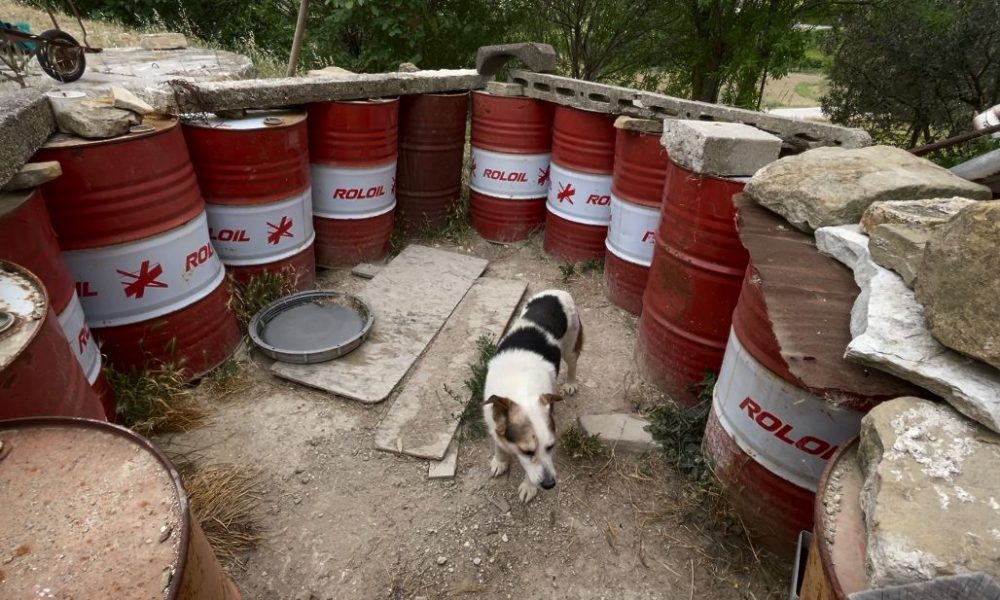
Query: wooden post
300, 32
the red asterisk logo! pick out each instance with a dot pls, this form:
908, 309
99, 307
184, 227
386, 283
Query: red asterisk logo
282, 229
146, 277
543, 176
473, 167
393, 185
566, 193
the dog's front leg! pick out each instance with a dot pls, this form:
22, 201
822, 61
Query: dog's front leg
500, 461
527, 491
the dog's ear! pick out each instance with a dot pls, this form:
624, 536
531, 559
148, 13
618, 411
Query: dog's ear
547, 399
501, 412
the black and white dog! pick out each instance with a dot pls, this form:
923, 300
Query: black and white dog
521, 387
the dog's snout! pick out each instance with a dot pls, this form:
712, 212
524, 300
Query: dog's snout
549, 482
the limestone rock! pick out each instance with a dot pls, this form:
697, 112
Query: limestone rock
716, 148
890, 334
930, 498
407, 67
959, 285
93, 119
833, 186
621, 431
540, 58
919, 213
126, 100
504, 88
654, 126
899, 248
333, 73
163, 41
33, 175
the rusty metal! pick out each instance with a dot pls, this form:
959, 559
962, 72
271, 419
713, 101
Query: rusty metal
431, 149
958, 139
194, 573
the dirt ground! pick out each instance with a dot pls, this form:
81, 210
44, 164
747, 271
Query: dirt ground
795, 90
343, 520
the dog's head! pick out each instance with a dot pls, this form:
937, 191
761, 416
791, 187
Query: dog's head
528, 431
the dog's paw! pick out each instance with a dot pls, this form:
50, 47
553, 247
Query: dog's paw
527, 491
568, 389
498, 467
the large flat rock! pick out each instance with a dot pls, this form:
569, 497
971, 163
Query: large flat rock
890, 334
899, 248
833, 186
923, 214
931, 498
411, 299
425, 414
959, 285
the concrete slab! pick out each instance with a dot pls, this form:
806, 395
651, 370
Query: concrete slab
446, 467
26, 121
620, 431
425, 415
714, 148
411, 299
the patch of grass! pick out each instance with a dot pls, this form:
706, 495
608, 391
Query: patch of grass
679, 430
224, 498
567, 270
249, 298
226, 380
471, 420
154, 401
593, 265
580, 444
812, 91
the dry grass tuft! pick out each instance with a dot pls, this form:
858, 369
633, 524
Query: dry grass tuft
224, 499
155, 401
227, 380
247, 299
580, 444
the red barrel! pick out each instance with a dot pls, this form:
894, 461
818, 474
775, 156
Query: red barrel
579, 202
636, 193
694, 282
38, 374
431, 149
27, 239
509, 171
772, 432
254, 175
133, 231
352, 148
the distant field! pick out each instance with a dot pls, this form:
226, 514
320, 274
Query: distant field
795, 91
99, 33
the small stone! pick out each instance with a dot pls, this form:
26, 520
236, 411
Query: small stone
162, 41
165, 532
33, 175
503, 538
624, 432
126, 100
651, 126
333, 73
451, 569
477, 561
92, 119
442, 559
407, 67
504, 88
366, 270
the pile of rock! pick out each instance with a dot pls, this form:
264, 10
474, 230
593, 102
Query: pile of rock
98, 115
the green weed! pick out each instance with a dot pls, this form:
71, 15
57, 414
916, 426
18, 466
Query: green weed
154, 401
680, 429
567, 270
249, 298
580, 444
473, 425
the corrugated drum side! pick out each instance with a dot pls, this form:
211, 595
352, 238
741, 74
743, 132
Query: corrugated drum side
353, 134
514, 125
583, 140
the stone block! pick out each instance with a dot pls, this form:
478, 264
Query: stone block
899, 248
916, 213
832, 186
33, 175
714, 148
92, 119
930, 501
126, 100
504, 88
162, 41
366, 270
26, 121
620, 431
540, 58
651, 126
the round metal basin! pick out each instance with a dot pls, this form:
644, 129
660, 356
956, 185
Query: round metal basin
311, 326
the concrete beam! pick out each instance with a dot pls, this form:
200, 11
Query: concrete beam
272, 93
796, 135
540, 58
26, 121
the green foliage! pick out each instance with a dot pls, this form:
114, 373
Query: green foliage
593, 265
471, 420
567, 270
960, 153
911, 71
153, 400
580, 444
680, 429
247, 299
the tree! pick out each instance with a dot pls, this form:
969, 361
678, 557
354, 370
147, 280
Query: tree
911, 71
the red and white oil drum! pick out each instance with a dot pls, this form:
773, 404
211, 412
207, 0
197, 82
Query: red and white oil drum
27, 239
132, 227
431, 149
636, 193
39, 375
254, 175
509, 171
352, 150
578, 209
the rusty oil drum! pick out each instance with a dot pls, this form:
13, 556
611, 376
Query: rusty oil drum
58, 476
431, 149
694, 282
636, 193
254, 175
38, 374
578, 207
353, 151
132, 228
27, 239
509, 168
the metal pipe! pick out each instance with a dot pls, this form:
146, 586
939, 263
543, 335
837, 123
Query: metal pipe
958, 139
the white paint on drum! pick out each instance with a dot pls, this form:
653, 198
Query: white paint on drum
580, 197
81, 342
631, 231
509, 176
789, 431
988, 118
353, 193
261, 233
148, 278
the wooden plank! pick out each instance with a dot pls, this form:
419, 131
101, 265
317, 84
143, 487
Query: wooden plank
425, 415
411, 298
